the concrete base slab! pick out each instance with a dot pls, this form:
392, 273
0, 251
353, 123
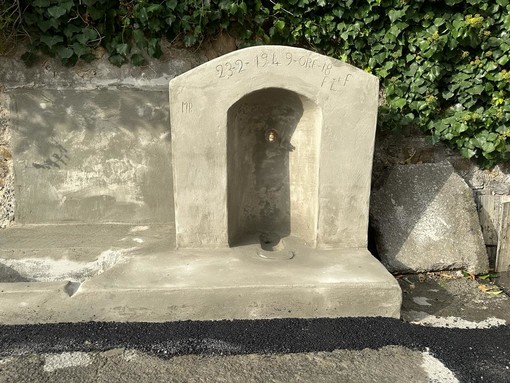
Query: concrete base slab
151, 284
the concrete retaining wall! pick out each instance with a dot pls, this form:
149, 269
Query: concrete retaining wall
87, 144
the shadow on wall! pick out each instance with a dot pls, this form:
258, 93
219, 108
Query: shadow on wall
260, 129
43, 117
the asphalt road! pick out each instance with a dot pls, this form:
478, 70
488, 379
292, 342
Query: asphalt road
473, 355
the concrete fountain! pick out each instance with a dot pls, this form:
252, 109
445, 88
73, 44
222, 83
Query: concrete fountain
265, 214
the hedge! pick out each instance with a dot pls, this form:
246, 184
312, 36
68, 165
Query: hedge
443, 64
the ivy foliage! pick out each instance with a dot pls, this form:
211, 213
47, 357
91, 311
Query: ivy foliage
443, 64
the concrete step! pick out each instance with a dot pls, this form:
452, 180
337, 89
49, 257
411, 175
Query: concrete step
147, 280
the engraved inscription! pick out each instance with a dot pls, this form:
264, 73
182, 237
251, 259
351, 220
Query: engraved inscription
335, 83
288, 58
186, 107
331, 81
229, 69
264, 59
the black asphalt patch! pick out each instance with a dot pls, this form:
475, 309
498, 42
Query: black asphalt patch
474, 355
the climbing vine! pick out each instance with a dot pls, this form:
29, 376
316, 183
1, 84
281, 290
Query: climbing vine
443, 64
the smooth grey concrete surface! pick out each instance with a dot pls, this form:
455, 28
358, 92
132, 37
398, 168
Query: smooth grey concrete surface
135, 277
340, 100
425, 219
96, 156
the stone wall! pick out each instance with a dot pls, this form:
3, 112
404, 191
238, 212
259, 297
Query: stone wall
412, 147
6, 169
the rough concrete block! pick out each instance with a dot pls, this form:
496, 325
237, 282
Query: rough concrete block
425, 219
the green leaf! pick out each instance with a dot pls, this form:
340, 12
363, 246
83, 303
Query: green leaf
171, 4
70, 30
29, 58
232, 9
154, 49
395, 14
477, 89
137, 59
140, 40
408, 118
117, 60
506, 22
50, 41
189, 40
56, 11
399, 102
438, 21
143, 15
467, 153
96, 13
122, 49
87, 35
503, 59
490, 66
45, 25
488, 147
64, 52
80, 50
154, 8
279, 25
154, 24
67, 5
447, 95
424, 45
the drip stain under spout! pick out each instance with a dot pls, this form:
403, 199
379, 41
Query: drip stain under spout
272, 246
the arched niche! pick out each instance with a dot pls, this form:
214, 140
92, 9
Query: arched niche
272, 167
